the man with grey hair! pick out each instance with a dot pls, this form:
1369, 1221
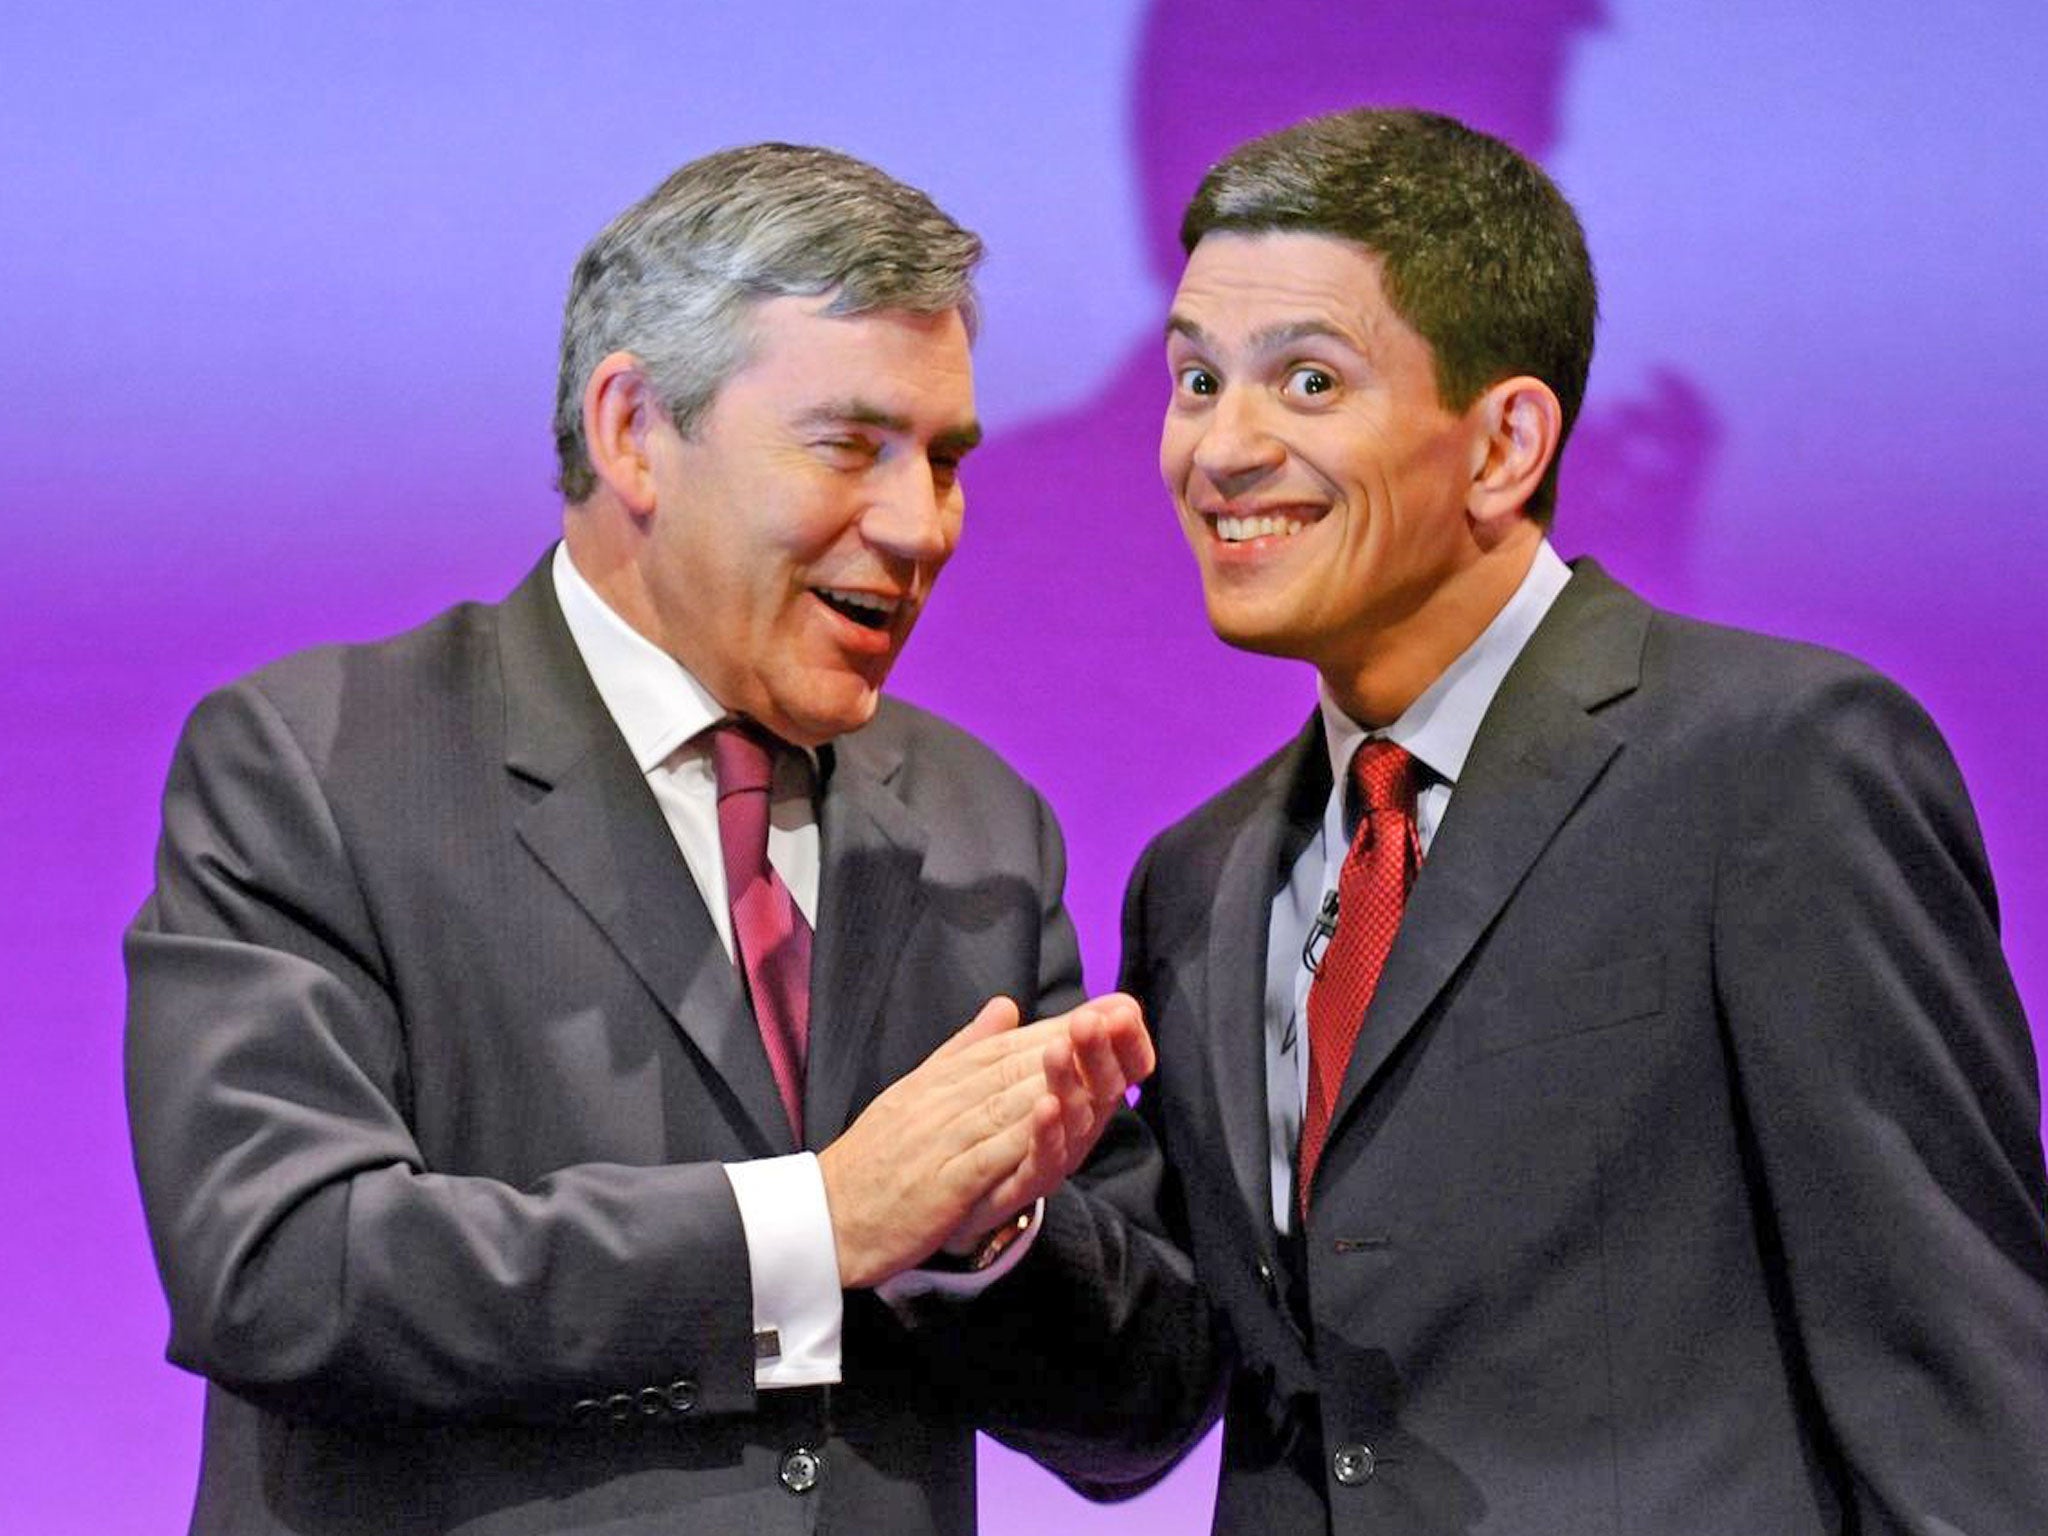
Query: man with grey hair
576, 1057
1600, 1100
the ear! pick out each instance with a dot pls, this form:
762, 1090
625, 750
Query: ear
620, 409
1519, 424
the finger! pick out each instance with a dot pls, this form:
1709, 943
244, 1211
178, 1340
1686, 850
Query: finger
1124, 1022
1060, 1066
1015, 1050
1102, 1095
997, 1016
1117, 1007
946, 1105
1038, 1170
987, 1173
1118, 1016
1041, 1168
1067, 1083
1095, 1048
1136, 1057
991, 1105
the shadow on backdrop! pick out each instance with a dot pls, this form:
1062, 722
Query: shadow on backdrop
1102, 680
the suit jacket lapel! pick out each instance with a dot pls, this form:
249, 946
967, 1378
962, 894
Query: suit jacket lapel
871, 894
1538, 752
1290, 803
596, 827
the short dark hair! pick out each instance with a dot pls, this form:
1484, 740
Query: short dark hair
675, 278
1479, 251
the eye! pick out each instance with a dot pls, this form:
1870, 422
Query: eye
1195, 380
1309, 381
848, 451
945, 468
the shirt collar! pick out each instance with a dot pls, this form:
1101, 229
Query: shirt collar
652, 697
1438, 729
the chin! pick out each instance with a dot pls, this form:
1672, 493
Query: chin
817, 721
1249, 632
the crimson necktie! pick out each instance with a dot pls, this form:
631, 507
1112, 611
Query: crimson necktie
1372, 891
768, 931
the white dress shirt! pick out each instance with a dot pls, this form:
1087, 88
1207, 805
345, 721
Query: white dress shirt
661, 711
1437, 730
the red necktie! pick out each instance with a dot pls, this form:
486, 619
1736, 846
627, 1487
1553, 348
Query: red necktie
1372, 891
768, 931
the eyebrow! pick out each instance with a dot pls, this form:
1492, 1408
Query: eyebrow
1267, 339
859, 413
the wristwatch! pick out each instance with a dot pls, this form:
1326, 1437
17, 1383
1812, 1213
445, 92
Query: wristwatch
986, 1252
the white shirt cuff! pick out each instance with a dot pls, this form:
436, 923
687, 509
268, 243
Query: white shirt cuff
794, 1266
899, 1288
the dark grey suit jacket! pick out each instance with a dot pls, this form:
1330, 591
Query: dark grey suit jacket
433, 1059
1687, 1178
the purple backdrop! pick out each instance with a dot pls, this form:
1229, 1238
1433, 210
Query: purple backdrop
280, 292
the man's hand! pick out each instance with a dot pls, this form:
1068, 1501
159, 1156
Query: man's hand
1102, 1052
989, 1122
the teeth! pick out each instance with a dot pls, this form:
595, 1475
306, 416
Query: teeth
865, 608
860, 600
1235, 530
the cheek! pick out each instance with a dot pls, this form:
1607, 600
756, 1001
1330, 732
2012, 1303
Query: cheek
809, 524
1176, 442
1346, 456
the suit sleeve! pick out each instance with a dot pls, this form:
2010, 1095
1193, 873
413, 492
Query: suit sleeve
312, 1260
1095, 1355
1890, 1087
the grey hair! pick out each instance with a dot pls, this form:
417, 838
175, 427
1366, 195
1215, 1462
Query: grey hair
674, 278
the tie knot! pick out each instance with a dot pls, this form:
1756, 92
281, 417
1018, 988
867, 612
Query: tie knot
742, 758
1383, 778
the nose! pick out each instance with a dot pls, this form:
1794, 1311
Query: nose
915, 513
1230, 444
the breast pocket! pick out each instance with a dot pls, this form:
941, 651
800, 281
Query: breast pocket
1563, 1005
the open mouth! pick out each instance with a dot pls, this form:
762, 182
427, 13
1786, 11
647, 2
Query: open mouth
866, 609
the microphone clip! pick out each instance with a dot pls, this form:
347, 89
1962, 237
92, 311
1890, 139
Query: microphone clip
1319, 933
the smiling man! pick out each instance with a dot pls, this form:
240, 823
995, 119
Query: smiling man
1597, 1098
574, 1053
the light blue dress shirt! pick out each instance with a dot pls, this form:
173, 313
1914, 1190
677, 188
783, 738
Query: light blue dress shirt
1437, 730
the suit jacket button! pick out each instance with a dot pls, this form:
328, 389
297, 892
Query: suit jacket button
618, 1407
653, 1401
586, 1413
1351, 1464
682, 1394
1268, 1282
801, 1469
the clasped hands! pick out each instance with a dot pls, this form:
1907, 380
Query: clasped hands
991, 1121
